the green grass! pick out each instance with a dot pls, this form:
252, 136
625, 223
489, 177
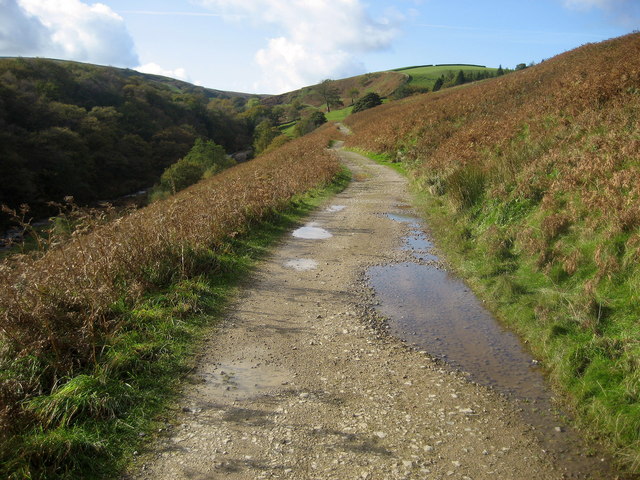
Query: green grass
91, 424
338, 115
382, 159
427, 76
333, 116
288, 128
585, 340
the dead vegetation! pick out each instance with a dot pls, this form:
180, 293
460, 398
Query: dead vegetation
60, 307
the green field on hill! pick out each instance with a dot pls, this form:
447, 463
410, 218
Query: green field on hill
426, 76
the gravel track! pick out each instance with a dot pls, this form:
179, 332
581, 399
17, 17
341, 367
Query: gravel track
298, 383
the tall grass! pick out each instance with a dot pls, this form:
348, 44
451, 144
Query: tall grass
74, 320
533, 185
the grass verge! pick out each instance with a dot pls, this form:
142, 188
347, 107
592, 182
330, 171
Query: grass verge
382, 158
586, 338
90, 425
338, 115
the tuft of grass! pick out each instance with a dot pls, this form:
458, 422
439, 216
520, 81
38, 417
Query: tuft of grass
338, 115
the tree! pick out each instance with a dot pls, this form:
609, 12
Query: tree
204, 159
521, 66
500, 71
329, 93
460, 79
370, 100
310, 123
353, 93
438, 85
264, 135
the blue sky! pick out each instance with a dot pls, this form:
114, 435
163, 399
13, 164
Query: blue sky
272, 46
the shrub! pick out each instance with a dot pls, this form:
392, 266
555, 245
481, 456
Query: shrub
465, 186
370, 100
310, 123
204, 159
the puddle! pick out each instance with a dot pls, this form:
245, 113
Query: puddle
302, 264
438, 313
416, 242
434, 311
412, 221
336, 208
241, 380
311, 232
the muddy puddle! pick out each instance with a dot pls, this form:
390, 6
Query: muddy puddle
301, 264
240, 381
436, 312
432, 310
416, 241
335, 208
311, 231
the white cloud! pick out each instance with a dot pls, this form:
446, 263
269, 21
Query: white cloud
318, 38
68, 29
155, 69
20, 33
626, 12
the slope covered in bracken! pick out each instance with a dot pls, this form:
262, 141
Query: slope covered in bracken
533, 183
383, 83
80, 337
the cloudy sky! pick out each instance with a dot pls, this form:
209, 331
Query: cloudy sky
272, 46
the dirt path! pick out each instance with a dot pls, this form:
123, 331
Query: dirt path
295, 385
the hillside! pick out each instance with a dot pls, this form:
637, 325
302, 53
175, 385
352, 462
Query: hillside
97, 133
531, 184
97, 330
426, 76
383, 83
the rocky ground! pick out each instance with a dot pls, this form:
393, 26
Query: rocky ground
299, 383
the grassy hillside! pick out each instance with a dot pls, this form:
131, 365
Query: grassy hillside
96, 330
531, 182
426, 76
96, 133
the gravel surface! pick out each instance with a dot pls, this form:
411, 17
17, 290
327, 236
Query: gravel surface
299, 382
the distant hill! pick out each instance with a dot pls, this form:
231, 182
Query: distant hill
382, 83
425, 76
94, 132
